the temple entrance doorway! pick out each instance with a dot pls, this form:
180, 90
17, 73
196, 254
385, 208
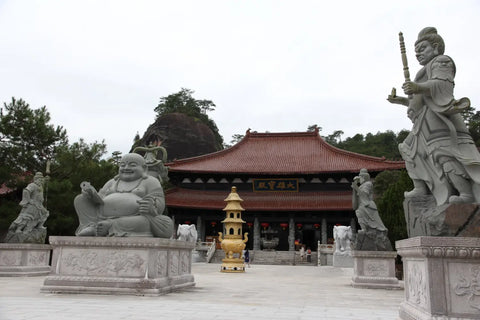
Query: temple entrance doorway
309, 239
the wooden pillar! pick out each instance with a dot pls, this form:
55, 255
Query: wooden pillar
200, 229
256, 234
291, 234
324, 231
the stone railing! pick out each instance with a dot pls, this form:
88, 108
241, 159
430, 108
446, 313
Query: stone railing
203, 245
325, 254
211, 250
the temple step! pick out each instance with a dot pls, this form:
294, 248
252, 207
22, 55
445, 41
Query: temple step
271, 257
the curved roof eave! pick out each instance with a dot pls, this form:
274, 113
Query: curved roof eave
259, 153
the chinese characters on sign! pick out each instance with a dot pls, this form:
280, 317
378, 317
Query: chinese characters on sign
275, 185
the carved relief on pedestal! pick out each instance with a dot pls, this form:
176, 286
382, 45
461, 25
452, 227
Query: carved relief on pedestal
184, 262
376, 268
105, 263
466, 286
174, 263
416, 284
10, 258
37, 259
162, 263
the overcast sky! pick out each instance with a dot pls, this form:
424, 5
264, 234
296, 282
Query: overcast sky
101, 67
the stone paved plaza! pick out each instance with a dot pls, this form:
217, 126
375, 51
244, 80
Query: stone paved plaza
263, 292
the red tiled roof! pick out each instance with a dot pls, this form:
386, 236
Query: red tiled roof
262, 201
282, 153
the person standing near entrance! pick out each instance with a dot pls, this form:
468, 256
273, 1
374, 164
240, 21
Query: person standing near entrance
246, 256
309, 255
302, 253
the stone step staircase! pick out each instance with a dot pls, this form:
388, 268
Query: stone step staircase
271, 257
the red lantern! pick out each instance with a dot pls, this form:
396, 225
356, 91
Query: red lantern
264, 225
316, 225
284, 225
187, 222
250, 224
213, 223
299, 225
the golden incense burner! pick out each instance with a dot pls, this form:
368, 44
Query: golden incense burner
231, 239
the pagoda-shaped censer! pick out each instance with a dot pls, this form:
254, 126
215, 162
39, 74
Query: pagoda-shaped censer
232, 238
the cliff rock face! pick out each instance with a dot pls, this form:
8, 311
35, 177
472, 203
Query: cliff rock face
182, 136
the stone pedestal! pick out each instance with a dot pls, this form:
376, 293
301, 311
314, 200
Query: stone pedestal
325, 254
442, 276
343, 260
138, 266
374, 270
233, 265
24, 259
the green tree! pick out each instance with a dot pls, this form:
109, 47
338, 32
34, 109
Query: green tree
335, 138
27, 139
390, 203
472, 120
184, 102
381, 144
235, 139
116, 156
384, 180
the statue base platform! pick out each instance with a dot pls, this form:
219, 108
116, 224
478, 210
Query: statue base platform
233, 265
441, 276
136, 266
343, 260
425, 218
374, 270
24, 259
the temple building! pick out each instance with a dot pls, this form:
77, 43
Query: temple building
295, 188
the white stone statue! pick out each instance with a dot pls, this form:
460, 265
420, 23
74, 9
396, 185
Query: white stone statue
131, 204
439, 153
373, 233
28, 226
187, 232
343, 237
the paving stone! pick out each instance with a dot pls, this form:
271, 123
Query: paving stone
263, 292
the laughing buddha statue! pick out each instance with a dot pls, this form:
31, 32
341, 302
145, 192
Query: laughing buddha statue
129, 205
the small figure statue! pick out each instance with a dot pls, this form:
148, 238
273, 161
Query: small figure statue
373, 234
156, 168
439, 153
28, 227
343, 237
187, 233
131, 204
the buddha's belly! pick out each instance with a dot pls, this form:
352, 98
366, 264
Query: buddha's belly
120, 204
